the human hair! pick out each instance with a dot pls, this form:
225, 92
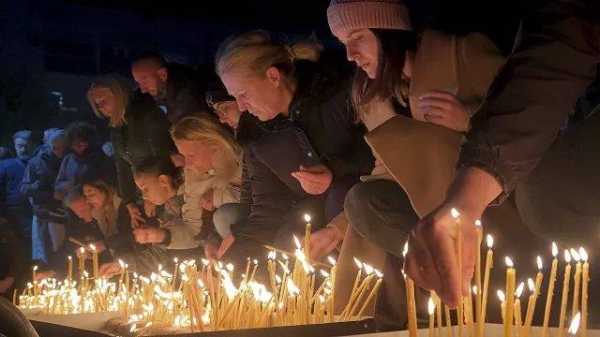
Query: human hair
23, 134
109, 191
81, 131
208, 131
75, 193
123, 96
160, 165
254, 52
394, 45
151, 56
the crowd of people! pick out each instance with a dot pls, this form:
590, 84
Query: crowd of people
378, 154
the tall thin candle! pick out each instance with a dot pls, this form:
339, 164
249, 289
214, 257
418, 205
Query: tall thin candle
550, 293
565, 295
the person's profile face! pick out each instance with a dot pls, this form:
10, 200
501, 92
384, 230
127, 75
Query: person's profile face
362, 47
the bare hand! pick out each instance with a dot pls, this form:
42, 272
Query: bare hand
149, 209
211, 250
444, 109
44, 275
225, 244
315, 180
432, 258
324, 241
149, 235
137, 219
109, 269
206, 201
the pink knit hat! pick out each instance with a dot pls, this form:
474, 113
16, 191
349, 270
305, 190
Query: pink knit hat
383, 14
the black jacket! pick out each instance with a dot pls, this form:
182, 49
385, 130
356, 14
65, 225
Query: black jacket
185, 92
144, 134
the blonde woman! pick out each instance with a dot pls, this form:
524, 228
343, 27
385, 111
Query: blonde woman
309, 147
213, 172
138, 130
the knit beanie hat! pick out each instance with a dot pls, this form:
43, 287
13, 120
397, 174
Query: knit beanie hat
382, 14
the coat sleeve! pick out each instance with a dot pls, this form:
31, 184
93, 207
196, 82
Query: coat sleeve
532, 96
30, 184
127, 187
157, 126
63, 183
183, 234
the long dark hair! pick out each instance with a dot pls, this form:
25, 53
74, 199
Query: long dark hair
393, 45
158, 166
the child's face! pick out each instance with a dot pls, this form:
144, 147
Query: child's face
156, 189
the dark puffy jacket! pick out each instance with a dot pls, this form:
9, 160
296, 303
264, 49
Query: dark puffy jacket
39, 177
185, 92
144, 134
320, 129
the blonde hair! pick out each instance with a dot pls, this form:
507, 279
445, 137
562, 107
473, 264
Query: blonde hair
209, 132
123, 95
254, 52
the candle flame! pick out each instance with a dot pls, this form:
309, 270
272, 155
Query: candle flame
70, 257
531, 285
475, 290
133, 328
332, 261
285, 257
81, 250
490, 241
567, 256
322, 299
575, 324
520, 288
405, 250
121, 263
229, 267
478, 223
368, 269
554, 249
85, 274
358, 263
35, 268
285, 269
575, 255
297, 242
307, 217
324, 273
501, 296
272, 255
378, 273
278, 279
583, 254
540, 265
175, 260
292, 288
509, 262
431, 306
454, 213
92, 247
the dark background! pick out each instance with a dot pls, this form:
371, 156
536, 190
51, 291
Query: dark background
50, 50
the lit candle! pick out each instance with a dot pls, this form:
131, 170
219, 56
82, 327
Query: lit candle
511, 275
330, 310
518, 320
577, 280
478, 294
502, 299
574, 327
34, 273
307, 231
486, 282
431, 310
94, 260
584, 291
372, 294
81, 260
70, 267
535, 291
456, 215
565, 295
550, 292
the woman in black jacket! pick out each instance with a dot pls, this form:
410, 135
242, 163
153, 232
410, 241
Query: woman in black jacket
309, 150
139, 129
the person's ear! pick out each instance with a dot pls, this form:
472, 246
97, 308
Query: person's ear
164, 180
273, 75
163, 74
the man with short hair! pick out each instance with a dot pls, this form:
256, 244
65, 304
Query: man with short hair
178, 86
12, 203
